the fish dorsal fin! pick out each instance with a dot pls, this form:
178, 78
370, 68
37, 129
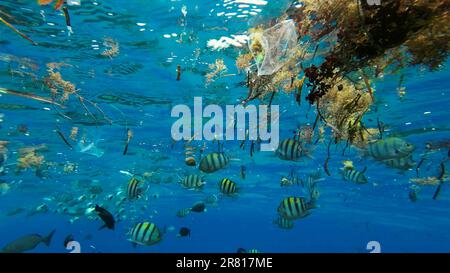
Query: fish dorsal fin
364, 170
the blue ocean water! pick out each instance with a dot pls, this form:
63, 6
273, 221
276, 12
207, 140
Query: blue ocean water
137, 88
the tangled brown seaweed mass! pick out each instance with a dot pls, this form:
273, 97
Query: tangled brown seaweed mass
61, 90
364, 33
216, 71
356, 43
113, 48
29, 157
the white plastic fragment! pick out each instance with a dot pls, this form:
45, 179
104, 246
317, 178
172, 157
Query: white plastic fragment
278, 43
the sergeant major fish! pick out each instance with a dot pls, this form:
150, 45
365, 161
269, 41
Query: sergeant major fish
389, 148
134, 189
192, 181
295, 207
144, 234
284, 223
352, 175
227, 186
349, 173
183, 212
213, 162
290, 149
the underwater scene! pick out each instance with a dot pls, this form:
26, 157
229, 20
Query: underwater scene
224, 126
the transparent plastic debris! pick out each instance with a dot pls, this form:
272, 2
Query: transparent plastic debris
74, 2
278, 44
89, 148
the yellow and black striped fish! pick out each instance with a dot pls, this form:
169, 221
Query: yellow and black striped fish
183, 212
213, 162
352, 175
227, 186
134, 191
145, 234
389, 148
284, 223
192, 181
295, 207
402, 163
290, 149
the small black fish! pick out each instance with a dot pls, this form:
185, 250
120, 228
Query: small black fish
413, 195
106, 217
243, 172
64, 139
184, 231
199, 207
68, 239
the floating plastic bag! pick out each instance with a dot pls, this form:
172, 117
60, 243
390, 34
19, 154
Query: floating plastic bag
74, 2
89, 148
273, 47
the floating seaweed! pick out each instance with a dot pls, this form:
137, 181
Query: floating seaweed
216, 70
113, 48
62, 90
30, 158
73, 133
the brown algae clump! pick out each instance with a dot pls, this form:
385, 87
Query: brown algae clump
59, 87
29, 157
113, 48
216, 71
342, 109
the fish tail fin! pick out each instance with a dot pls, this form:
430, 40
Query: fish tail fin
364, 170
312, 204
313, 196
179, 178
308, 153
47, 240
